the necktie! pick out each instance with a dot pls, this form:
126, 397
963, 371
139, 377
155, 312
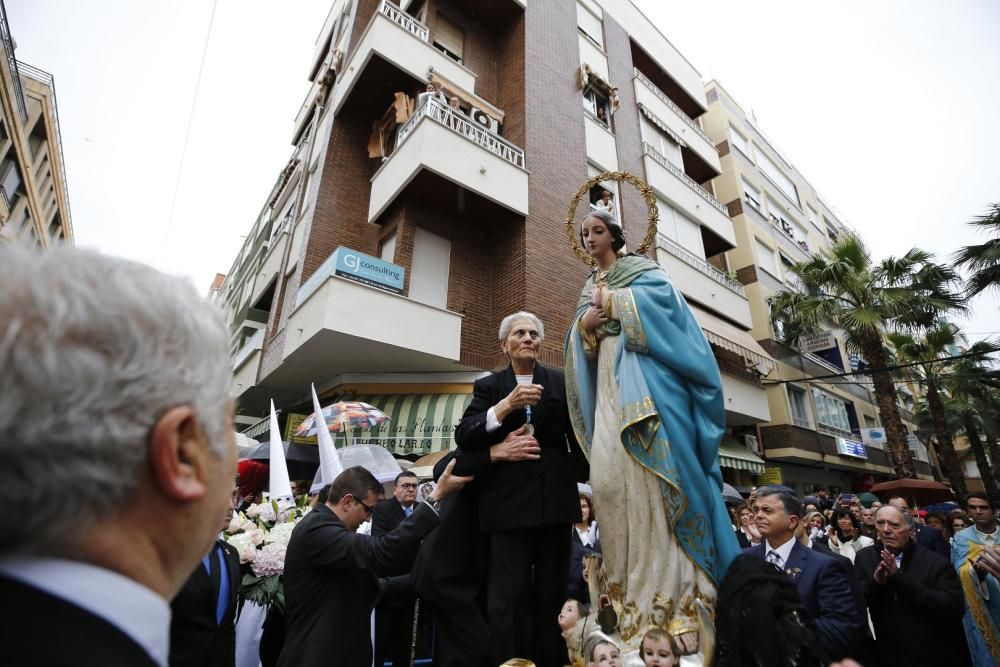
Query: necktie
408, 510
774, 559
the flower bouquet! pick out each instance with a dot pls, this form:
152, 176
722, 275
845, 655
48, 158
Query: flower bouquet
261, 535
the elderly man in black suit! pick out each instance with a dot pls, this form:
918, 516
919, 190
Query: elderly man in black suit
914, 596
116, 430
203, 615
331, 571
926, 536
394, 618
526, 507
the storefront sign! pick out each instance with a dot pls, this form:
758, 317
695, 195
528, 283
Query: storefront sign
771, 475
852, 448
817, 342
368, 270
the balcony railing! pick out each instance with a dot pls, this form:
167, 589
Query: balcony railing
789, 235
670, 103
254, 343
8, 47
459, 123
732, 369
803, 423
696, 262
405, 21
49, 81
688, 181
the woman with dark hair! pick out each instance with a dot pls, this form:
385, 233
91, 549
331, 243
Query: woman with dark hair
584, 540
645, 399
938, 521
760, 620
957, 520
845, 534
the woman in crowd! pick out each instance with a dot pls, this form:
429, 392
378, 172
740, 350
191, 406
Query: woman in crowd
957, 521
845, 537
584, 540
746, 532
816, 527
938, 521
645, 398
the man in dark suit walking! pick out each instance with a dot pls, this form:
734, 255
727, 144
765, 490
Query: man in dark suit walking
822, 584
117, 436
203, 615
331, 572
526, 507
914, 596
394, 618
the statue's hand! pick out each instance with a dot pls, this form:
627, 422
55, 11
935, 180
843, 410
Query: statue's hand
687, 643
592, 318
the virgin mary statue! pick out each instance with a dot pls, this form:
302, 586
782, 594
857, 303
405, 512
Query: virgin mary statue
645, 399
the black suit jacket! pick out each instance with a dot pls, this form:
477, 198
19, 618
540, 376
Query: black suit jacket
331, 585
526, 494
826, 593
452, 561
387, 515
41, 630
195, 637
931, 538
917, 614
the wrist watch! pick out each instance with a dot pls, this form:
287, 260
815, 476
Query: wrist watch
434, 504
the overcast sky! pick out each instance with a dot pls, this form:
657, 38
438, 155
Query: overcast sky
888, 108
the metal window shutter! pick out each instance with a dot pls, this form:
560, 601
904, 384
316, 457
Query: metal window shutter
429, 272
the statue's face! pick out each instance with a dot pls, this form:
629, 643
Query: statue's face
597, 237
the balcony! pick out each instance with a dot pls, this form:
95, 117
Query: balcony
787, 239
404, 42
246, 363
678, 122
701, 282
440, 140
683, 193
340, 326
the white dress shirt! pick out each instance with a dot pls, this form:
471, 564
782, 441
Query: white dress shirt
125, 603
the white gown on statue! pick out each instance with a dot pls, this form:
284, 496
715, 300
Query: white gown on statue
647, 574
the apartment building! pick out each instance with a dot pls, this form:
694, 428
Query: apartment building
34, 202
821, 433
409, 221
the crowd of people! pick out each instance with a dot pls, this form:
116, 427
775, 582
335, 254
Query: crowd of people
116, 430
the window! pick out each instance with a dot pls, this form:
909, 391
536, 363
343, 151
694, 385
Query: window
800, 409
449, 38
596, 192
594, 100
388, 253
740, 142
680, 229
813, 217
429, 272
831, 232
765, 259
870, 422
777, 177
751, 194
831, 412
663, 144
589, 24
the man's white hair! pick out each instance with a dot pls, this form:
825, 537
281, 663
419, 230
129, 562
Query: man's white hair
508, 323
93, 351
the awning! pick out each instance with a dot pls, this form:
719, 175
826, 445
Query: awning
729, 337
734, 455
655, 120
419, 423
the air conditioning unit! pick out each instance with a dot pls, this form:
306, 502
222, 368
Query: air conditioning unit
752, 444
484, 120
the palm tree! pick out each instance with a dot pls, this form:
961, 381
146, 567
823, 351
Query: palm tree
925, 357
849, 291
973, 386
983, 260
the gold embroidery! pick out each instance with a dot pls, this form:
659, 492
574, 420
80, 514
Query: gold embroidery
628, 316
976, 609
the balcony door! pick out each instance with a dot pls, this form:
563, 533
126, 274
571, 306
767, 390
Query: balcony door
431, 265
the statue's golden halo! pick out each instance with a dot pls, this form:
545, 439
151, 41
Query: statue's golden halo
618, 177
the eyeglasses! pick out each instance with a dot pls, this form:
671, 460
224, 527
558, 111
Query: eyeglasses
408, 485
368, 508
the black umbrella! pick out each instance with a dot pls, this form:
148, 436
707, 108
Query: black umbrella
302, 460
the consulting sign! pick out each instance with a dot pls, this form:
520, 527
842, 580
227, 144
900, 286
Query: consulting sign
368, 270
